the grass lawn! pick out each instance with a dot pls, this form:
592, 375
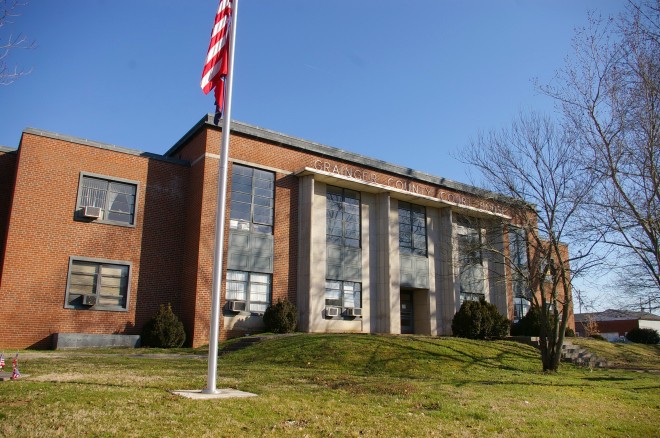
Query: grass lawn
329, 385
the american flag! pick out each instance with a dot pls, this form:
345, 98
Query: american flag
216, 66
15, 374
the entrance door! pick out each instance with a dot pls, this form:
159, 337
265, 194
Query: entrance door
407, 313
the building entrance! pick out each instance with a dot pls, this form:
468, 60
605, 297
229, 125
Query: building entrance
407, 313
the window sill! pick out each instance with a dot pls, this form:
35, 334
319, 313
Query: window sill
96, 308
97, 221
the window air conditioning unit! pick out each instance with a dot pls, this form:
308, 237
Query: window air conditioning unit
92, 212
89, 300
354, 311
237, 306
331, 311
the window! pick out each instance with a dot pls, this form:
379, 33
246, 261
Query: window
518, 246
345, 294
114, 197
251, 287
412, 229
470, 259
520, 308
97, 284
343, 230
251, 199
343, 217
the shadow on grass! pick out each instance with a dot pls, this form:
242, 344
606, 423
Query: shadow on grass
608, 379
410, 356
504, 353
516, 383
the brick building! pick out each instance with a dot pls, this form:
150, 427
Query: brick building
95, 237
613, 324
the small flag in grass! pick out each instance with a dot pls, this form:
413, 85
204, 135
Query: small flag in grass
15, 374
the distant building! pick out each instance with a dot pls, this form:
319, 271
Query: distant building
614, 324
95, 237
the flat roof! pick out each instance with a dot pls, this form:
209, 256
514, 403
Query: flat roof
7, 149
616, 315
332, 152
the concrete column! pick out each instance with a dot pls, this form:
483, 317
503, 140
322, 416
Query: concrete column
395, 269
318, 259
369, 218
495, 267
432, 297
311, 253
446, 274
384, 267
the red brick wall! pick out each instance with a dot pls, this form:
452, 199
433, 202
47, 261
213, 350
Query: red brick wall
7, 170
195, 195
561, 293
43, 235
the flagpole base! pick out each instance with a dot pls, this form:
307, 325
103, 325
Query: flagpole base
217, 394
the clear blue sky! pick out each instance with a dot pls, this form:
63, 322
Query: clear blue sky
408, 82
403, 81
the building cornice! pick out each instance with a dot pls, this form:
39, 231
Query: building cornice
106, 146
335, 153
8, 150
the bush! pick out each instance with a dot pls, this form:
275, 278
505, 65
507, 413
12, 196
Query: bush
479, 320
164, 330
643, 336
597, 337
529, 325
281, 317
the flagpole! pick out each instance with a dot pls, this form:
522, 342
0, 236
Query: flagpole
211, 386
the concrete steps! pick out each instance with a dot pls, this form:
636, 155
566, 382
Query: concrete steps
581, 356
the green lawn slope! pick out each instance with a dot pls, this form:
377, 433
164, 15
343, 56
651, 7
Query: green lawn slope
329, 385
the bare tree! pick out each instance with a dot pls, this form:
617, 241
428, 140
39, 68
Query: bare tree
10, 42
610, 95
534, 164
590, 325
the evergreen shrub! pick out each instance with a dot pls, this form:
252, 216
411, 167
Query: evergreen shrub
281, 317
528, 325
479, 320
643, 336
164, 330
